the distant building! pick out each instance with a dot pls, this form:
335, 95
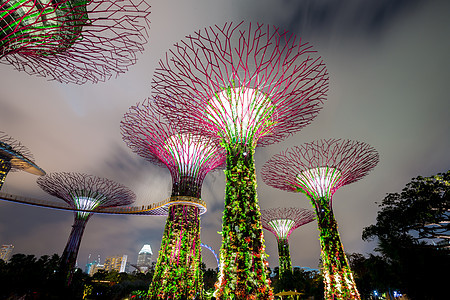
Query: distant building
94, 268
117, 263
5, 252
144, 260
128, 267
90, 266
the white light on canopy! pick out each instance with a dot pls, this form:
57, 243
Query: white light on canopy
282, 227
188, 151
240, 112
85, 203
319, 181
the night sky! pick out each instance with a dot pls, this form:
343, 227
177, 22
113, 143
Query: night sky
389, 65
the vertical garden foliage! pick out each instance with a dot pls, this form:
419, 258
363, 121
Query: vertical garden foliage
178, 275
242, 253
284, 257
177, 272
338, 278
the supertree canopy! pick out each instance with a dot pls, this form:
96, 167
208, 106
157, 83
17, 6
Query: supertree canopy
243, 86
189, 158
72, 41
318, 169
14, 156
282, 222
85, 192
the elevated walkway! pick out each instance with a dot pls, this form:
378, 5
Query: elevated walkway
154, 209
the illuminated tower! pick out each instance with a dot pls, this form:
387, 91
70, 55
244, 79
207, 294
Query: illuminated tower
245, 87
189, 158
318, 169
14, 156
144, 259
282, 222
72, 40
84, 193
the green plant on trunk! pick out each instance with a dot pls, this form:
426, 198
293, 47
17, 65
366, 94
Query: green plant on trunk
243, 259
177, 272
338, 278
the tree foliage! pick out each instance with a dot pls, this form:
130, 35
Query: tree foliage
30, 277
373, 273
420, 214
309, 283
413, 232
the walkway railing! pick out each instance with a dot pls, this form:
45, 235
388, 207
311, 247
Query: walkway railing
157, 209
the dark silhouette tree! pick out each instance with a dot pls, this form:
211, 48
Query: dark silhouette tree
413, 231
29, 277
420, 214
373, 273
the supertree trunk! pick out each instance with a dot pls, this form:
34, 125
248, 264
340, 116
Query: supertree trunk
338, 278
5, 167
242, 256
186, 186
284, 258
177, 272
69, 256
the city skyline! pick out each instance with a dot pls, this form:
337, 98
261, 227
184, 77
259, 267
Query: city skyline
388, 68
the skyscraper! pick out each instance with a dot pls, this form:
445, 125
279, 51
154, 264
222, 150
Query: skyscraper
144, 259
5, 252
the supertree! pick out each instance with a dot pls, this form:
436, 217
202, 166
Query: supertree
188, 158
318, 169
82, 192
72, 41
244, 87
282, 222
15, 156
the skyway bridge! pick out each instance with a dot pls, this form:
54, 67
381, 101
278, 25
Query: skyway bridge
153, 209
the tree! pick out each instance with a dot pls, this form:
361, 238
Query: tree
420, 214
373, 273
413, 232
307, 282
209, 277
27, 276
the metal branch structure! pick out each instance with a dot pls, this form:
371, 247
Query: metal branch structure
72, 41
188, 158
318, 169
85, 192
15, 156
282, 222
244, 86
